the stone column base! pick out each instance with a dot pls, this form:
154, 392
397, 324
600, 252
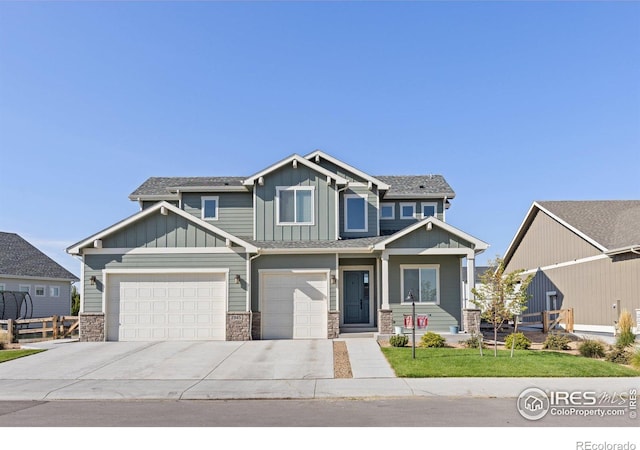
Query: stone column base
238, 326
333, 324
91, 327
385, 321
256, 326
471, 321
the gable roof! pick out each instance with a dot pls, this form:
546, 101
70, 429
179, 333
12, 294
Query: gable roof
320, 154
166, 188
478, 245
612, 226
295, 159
416, 186
19, 258
76, 248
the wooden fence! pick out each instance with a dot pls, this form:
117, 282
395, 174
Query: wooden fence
55, 327
551, 319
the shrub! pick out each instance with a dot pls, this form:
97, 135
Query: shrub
592, 348
398, 340
557, 342
473, 342
635, 359
432, 340
625, 325
619, 355
518, 340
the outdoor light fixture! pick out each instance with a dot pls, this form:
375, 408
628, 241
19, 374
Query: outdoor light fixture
411, 298
429, 226
237, 279
93, 280
333, 279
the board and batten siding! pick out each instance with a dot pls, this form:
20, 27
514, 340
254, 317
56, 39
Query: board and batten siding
94, 264
292, 262
591, 289
547, 242
160, 231
392, 225
436, 238
324, 202
235, 211
372, 212
444, 315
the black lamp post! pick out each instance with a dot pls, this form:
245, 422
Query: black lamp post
411, 298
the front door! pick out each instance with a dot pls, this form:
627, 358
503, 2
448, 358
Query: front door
356, 297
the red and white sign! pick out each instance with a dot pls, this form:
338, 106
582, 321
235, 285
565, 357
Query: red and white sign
423, 321
408, 321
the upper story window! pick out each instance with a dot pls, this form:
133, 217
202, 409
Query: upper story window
54, 291
422, 282
429, 209
407, 210
355, 213
210, 208
387, 211
295, 205
25, 288
2, 287
40, 291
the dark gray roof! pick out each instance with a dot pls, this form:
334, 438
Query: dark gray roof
402, 186
19, 258
415, 186
166, 185
613, 224
330, 244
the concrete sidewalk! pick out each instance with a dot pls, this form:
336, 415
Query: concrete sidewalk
240, 370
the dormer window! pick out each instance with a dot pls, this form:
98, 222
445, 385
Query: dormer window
407, 210
429, 209
295, 205
210, 208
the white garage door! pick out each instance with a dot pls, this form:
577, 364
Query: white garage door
294, 305
157, 307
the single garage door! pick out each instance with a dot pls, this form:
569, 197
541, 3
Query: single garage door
294, 305
158, 307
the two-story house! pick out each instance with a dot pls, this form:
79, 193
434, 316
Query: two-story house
307, 248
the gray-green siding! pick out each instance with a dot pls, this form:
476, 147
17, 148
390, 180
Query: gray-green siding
445, 314
235, 211
324, 216
338, 170
94, 265
436, 238
159, 231
286, 262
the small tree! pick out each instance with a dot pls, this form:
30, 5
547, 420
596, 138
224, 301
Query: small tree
75, 301
501, 296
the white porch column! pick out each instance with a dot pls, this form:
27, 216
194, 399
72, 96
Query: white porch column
471, 278
385, 281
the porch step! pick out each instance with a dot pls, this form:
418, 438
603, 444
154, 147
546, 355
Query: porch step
357, 332
355, 335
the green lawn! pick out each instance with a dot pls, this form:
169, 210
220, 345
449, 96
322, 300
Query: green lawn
8, 355
451, 362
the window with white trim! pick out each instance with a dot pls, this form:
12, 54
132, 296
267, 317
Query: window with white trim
210, 208
40, 291
429, 209
295, 205
24, 288
355, 213
387, 211
2, 287
54, 291
422, 281
407, 210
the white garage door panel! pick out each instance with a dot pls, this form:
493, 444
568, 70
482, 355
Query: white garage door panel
294, 305
151, 307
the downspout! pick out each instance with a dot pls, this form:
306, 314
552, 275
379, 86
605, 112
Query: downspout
338, 191
249, 287
444, 209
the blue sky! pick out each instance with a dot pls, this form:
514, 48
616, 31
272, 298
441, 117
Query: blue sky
511, 101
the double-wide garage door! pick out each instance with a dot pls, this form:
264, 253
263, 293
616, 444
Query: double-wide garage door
294, 305
156, 307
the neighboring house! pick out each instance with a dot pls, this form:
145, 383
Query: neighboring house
24, 268
307, 248
585, 255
